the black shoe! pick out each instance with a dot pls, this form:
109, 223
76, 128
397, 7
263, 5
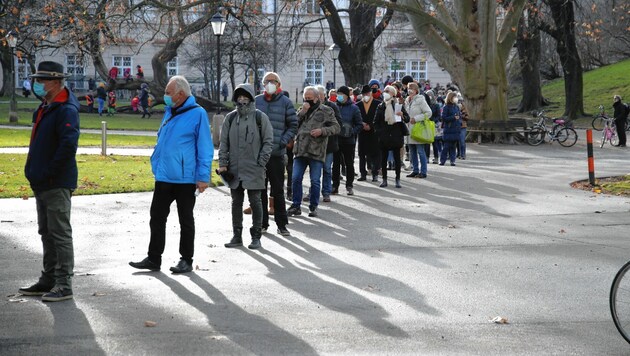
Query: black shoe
335, 191
182, 267
57, 295
453, 164
413, 175
349, 191
235, 242
294, 210
307, 197
384, 184
374, 178
361, 179
398, 183
312, 212
35, 289
145, 264
283, 231
255, 244
421, 175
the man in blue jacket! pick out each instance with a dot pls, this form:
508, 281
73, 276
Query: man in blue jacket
181, 164
51, 169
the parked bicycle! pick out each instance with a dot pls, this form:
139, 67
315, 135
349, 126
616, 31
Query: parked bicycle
609, 133
600, 119
539, 133
620, 301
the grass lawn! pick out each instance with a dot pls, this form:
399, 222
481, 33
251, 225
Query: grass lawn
97, 175
21, 138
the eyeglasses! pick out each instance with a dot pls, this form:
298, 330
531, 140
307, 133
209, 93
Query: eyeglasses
270, 81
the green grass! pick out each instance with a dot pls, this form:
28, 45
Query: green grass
620, 187
21, 138
97, 175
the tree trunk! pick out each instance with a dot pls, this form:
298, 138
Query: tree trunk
528, 46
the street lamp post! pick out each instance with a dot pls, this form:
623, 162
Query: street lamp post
218, 26
11, 38
334, 49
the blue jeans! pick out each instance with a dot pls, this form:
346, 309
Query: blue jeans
448, 151
462, 143
101, 105
414, 151
437, 147
315, 169
327, 179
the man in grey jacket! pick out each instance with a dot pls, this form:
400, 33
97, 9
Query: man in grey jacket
245, 148
316, 122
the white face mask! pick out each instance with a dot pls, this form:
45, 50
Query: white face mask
270, 88
366, 98
386, 96
455, 100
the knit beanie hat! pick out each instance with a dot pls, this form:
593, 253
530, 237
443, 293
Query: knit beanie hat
344, 90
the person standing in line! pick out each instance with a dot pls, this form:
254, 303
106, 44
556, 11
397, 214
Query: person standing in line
621, 118
435, 116
144, 100
389, 123
101, 96
418, 111
451, 125
245, 148
281, 113
180, 163
331, 147
316, 122
351, 125
461, 148
51, 169
369, 153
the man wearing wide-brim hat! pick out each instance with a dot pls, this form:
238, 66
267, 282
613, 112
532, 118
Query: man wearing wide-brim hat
51, 169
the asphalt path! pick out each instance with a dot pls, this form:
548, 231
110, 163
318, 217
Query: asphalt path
417, 270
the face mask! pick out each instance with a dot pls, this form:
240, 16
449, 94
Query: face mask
333, 98
310, 102
341, 99
411, 92
374, 90
455, 101
168, 100
270, 88
38, 89
386, 96
366, 99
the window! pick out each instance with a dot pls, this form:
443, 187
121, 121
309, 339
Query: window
418, 70
74, 68
123, 63
171, 67
311, 7
415, 68
314, 71
22, 72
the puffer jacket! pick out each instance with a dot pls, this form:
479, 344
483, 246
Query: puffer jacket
351, 117
308, 146
451, 122
51, 161
184, 151
245, 149
419, 110
281, 113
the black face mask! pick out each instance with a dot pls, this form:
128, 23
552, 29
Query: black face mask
310, 102
374, 90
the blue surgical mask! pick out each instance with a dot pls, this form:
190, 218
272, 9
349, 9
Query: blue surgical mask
341, 98
168, 100
38, 89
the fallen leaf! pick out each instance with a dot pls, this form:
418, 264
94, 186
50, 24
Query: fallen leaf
499, 320
562, 231
451, 226
150, 324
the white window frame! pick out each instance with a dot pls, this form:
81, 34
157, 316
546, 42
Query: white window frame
417, 68
314, 71
123, 62
76, 70
172, 67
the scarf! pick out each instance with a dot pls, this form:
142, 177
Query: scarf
389, 112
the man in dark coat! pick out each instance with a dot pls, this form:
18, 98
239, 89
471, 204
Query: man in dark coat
369, 152
621, 117
51, 169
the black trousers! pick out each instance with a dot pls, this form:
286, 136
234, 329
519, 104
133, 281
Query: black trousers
345, 154
163, 196
621, 130
397, 161
275, 177
289, 168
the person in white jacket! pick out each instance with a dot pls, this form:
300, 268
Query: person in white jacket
418, 110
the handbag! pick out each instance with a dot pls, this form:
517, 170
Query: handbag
423, 131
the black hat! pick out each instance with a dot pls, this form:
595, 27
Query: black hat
366, 89
407, 79
49, 70
344, 90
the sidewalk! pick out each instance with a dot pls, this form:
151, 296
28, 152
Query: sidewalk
417, 270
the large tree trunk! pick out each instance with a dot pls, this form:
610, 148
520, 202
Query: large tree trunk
528, 46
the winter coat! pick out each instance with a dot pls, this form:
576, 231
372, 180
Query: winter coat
281, 113
390, 136
620, 112
101, 93
333, 140
451, 122
368, 141
184, 151
51, 161
245, 149
351, 119
144, 97
308, 146
419, 110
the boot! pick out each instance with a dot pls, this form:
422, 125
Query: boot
271, 209
375, 178
384, 184
256, 234
398, 183
237, 239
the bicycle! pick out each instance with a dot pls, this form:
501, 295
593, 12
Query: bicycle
565, 136
620, 301
600, 119
609, 133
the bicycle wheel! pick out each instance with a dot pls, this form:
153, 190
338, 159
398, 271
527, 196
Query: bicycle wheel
614, 138
536, 136
620, 301
598, 123
567, 137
